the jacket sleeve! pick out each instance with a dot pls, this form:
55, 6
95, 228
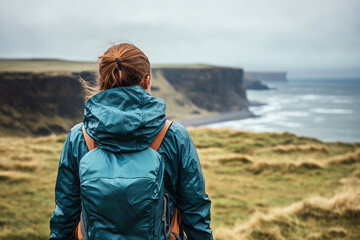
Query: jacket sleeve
67, 195
193, 202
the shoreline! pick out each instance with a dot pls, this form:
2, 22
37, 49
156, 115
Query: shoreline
221, 117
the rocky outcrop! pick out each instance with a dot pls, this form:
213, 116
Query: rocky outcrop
254, 83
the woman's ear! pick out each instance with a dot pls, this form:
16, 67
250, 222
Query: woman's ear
148, 83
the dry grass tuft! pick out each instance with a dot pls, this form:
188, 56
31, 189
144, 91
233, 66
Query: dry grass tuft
336, 232
26, 233
272, 233
356, 173
21, 166
314, 236
235, 159
287, 167
50, 138
352, 180
23, 157
27, 166
307, 148
348, 158
344, 205
42, 149
14, 176
299, 167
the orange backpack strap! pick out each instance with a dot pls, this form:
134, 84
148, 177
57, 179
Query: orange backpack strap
176, 220
160, 136
90, 143
175, 225
79, 231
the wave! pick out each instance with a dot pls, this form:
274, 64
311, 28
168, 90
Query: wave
295, 114
327, 98
331, 111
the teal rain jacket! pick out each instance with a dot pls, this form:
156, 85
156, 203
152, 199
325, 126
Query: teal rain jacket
127, 119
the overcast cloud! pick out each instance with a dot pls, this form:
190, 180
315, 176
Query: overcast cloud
308, 37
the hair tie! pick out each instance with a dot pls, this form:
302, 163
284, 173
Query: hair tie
118, 63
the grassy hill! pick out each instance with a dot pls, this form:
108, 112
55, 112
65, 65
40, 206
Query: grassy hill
44, 65
262, 185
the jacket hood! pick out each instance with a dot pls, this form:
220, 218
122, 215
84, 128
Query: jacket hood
124, 119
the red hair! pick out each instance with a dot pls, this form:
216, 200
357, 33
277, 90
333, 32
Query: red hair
135, 67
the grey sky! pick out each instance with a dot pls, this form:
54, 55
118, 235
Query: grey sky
308, 37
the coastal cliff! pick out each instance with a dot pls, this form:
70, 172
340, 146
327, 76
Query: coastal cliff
216, 89
45, 102
253, 83
40, 103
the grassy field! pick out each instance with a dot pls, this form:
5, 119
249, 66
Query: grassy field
262, 185
44, 65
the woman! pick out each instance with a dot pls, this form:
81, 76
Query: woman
123, 118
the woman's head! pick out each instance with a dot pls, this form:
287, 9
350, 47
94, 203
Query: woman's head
135, 67
135, 70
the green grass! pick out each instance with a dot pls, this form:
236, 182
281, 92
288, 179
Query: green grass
262, 185
44, 65
28, 169
248, 172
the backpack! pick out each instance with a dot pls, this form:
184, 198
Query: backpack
127, 184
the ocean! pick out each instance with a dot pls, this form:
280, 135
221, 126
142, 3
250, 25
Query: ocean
327, 109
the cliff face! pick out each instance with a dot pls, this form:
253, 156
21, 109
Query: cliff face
253, 83
211, 88
38, 103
